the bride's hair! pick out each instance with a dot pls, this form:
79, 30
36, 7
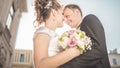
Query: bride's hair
43, 9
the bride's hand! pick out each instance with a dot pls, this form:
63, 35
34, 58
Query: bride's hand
74, 51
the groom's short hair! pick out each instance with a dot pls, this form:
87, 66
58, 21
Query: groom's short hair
73, 6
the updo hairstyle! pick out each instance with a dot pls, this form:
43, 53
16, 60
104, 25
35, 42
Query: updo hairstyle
43, 9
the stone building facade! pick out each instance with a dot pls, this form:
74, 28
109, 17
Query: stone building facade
23, 59
10, 13
114, 58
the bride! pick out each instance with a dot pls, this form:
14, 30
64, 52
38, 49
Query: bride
46, 50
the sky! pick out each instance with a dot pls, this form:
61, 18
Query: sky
106, 10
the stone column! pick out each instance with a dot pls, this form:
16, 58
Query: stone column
5, 49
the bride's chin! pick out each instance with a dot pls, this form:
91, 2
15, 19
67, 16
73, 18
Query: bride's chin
61, 25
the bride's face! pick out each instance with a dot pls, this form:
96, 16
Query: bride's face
59, 18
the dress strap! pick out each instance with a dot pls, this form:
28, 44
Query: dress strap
45, 30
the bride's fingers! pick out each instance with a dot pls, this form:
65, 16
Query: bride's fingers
75, 51
75, 47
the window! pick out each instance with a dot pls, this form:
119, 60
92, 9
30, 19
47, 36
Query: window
10, 16
11, 10
9, 20
22, 57
114, 61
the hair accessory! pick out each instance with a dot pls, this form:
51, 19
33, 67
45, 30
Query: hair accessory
48, 5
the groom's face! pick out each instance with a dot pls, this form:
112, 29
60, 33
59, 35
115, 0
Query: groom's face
71, 17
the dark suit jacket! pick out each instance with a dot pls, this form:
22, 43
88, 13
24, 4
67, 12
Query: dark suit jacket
98, 56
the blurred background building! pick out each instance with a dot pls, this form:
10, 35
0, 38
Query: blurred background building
22, 59
114, 58
10, 13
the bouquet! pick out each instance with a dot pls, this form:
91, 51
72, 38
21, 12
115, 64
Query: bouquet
76, 38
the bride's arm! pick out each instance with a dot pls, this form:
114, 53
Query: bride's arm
41, 58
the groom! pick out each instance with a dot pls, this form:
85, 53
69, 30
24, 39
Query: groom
98, 56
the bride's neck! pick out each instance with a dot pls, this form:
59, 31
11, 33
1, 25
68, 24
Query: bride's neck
50, 24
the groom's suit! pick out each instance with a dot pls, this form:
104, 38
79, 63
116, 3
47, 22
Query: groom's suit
97, 57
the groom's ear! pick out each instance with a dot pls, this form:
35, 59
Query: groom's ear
77, 11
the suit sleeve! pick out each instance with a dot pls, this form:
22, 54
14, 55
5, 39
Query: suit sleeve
89, 58
93, 28
93, 56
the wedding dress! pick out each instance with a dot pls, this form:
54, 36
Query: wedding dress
53, 45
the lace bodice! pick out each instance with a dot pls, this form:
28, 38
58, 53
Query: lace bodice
53, 45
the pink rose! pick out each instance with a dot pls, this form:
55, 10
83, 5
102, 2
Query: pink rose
71, 32
72, 42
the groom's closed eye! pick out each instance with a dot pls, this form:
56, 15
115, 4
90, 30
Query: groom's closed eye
67, 16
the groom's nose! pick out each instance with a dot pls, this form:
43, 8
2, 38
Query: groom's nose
65, 19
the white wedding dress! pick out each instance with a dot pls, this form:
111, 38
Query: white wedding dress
53, 45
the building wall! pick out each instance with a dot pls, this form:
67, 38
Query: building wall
28, 59
114, 58
5, 49
10, 12
4, 10
22, 59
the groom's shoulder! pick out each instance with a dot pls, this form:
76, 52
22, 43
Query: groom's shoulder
90, 19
